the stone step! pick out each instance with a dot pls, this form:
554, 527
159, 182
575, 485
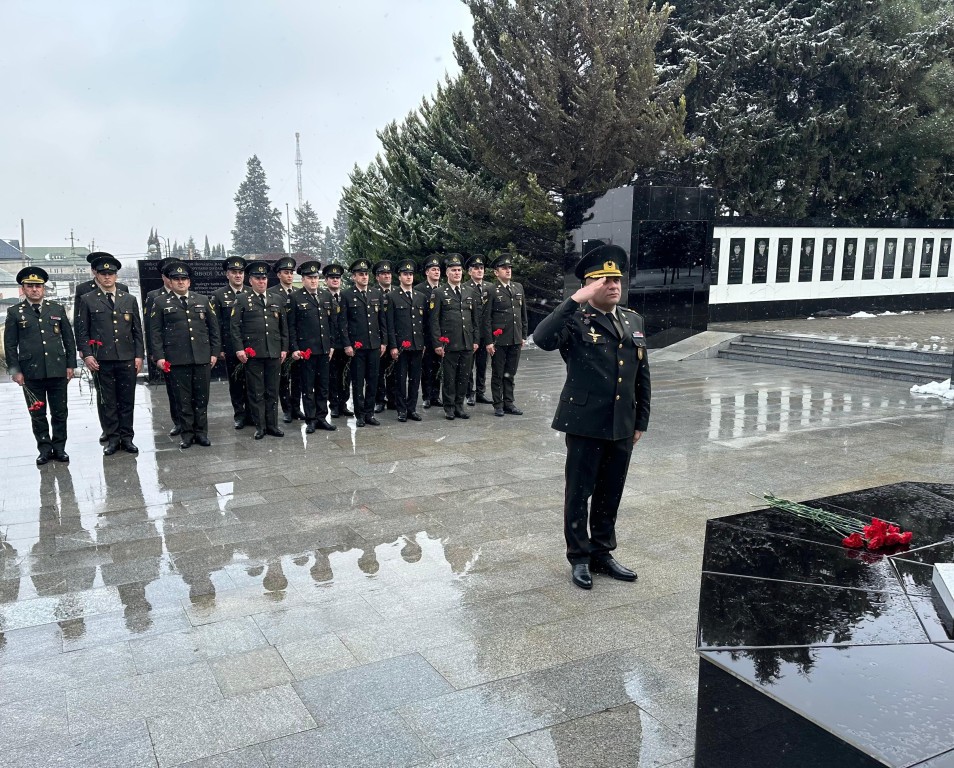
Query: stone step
872, 357
857, 348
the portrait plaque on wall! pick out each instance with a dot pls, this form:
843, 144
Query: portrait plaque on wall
714, 263
890, 256
828, 259
927, 257
944, 258
760, 261
783, 264
806, 260
870, 258
736, 260
907, 259
848, 259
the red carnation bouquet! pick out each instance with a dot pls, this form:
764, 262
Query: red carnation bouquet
249, 352
405, 345
166, 366
33, 402
357, 345
498, 332
94, 347
444, 340
306, 355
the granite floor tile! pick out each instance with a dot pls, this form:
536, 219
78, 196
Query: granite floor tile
382, 685
141, 621
316, 656
230, 724
248, 757
377, 740
250, 671
501, 754
302, 621
238, 603
209, 641
126, 747
625, 737
136, 698
36, 719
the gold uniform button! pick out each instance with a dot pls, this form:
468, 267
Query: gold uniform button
621, 362
620, 379
617, 397
620, 346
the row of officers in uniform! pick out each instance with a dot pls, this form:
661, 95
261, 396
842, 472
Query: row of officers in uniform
297, 347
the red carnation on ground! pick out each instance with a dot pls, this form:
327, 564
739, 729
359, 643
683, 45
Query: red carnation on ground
498, 332
854, 541
406, 344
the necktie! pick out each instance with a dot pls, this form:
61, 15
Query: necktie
457, 292
262, 297
335, 297
183, 302
36, 308
616, 323
407, 295
112, 301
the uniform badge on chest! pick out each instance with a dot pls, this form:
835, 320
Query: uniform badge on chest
594, 336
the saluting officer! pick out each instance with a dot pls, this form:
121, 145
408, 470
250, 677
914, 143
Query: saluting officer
222, 301
338, 368
477, 386
454, 311
81, 290
146, 312
259, 324
184, 332
312, 333
385, 396
110, 317
40, 352
430, 362
506, 330
604, 407
289, 386
364, 330
406, 339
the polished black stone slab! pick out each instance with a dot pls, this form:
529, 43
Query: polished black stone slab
817, 655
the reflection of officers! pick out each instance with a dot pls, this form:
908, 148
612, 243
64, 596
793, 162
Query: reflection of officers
81, 290
430, 362
338, 368
313, 332
406, 338
222, 301
506, 328
477, 386
454, 310
604, 407
147, 304
385, 396
364, 333
40, 352
110, 317
289, 389
184, 332
259, 324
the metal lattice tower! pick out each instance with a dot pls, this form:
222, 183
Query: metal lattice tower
298, 163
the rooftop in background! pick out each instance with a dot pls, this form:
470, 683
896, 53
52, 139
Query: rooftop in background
45, 253
10, 250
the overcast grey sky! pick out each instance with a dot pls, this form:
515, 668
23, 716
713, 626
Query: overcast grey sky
122, 115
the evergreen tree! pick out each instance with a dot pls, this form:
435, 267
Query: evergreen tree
190, 249
178, 252
568, 92
821, 108
337, 246
206, 250
306, 232
258, 225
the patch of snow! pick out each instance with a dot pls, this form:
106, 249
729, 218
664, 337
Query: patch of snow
940, 389
887, 312
862, 314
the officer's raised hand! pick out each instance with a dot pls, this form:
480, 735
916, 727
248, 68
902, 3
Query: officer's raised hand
588, 291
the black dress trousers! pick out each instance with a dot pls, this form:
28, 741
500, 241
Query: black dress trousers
364, 379
261, 378
117, 388
455, 369
503, 371
339, 380
238, 392
313, 382
408, 380
53, 394
480, 369
191, 384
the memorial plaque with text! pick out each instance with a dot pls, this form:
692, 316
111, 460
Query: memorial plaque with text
736, 260
944, 258
783, 264
890, 256
907, 259
927, 257
870, 258
848, 259
714, 262
760, 261
828, 259
806, 260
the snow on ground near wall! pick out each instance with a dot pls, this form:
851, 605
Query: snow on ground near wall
940, 389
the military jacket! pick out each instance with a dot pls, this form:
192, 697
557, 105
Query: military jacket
406, 320
39, 347
88, 287
607, 389
506, 311
454, 319
151, 298
263, 326
119, 328
183, 336
483, 289
313, 322
286, 296
222, 302
365, 318
425, 289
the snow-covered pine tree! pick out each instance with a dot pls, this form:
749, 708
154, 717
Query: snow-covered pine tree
258, 226
306, 233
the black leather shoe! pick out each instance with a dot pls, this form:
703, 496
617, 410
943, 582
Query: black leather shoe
482, 399
184, 444
175, 431
498, 411
461, 415
372, 421
202, 440
347, 412
581, 576
415, 416
287, 417
335, 413
610, 567
60, 456
43, 458
102, 438
426, 403
129, 447
379, 407
402, 417
513, 411
310, 429
240, 423
259, 434
299, 415
111, 447
449, 416
471, 400
325, 425
359, 422
274, 432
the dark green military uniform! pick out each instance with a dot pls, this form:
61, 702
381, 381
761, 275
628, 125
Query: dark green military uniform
184, 331
259, 322
222, 302
430, 362
39, 344
338, 368
364, 328
407, 335
506, 327
385, 396
477, 386
167, 380
604, 402
454, 313
289, 385
112, 319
